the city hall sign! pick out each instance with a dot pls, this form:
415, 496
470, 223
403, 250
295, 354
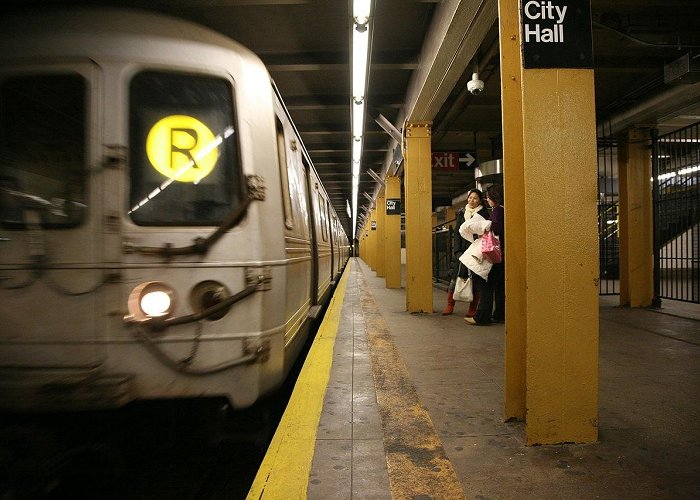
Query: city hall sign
556, 34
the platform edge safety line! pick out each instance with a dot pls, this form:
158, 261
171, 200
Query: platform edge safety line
284, 471
416, 461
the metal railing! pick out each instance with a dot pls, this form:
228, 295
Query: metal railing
676, 193
443, 239
608, 217
676, 166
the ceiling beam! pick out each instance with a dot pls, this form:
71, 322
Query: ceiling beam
456, 32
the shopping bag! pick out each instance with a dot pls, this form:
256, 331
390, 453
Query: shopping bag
491, 247
463, 290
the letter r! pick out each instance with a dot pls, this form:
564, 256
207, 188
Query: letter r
177, 133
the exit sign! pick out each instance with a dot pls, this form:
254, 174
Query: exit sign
452, 160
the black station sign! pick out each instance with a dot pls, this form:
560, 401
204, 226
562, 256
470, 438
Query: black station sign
556, 34
393, 206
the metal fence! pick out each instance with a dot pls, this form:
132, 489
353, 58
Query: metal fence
608, 212
443, 237
676, 190
676, 195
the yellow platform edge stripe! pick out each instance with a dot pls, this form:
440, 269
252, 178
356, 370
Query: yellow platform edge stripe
284, 472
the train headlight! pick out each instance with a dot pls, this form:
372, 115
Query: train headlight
152, 299
156, 303
208, 294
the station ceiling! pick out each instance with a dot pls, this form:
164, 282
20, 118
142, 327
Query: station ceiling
423, 53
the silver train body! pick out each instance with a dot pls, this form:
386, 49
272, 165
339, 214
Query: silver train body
163, 232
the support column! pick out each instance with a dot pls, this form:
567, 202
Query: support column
419, 191
372, 240
636, 229
392, 236
381, 230
515, 227
450, 216
364, 242
560, 184
559, 138
361, 243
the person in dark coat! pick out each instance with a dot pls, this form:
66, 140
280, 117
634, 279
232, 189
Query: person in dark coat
493, 289
475, 205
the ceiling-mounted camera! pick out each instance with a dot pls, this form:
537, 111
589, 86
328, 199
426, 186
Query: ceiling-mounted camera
475, 86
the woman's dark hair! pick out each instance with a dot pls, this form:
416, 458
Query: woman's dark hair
495, 193
478, 193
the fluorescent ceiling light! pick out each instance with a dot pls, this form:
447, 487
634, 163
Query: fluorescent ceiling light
360, 49
356, 150
683, 171
356, 171
689, 170
355, 188
360, 10
358, 119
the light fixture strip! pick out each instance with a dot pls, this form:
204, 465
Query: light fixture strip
360, 48
361, 10
358, 120
357, 150
355, 188
361, 13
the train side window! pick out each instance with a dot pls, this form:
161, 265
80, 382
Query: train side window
43, 149
331, 220
183, 150
322, 218
284, 176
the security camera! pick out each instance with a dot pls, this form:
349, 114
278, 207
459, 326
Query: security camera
475, 86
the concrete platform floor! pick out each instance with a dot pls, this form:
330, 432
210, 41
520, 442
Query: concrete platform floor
649, 407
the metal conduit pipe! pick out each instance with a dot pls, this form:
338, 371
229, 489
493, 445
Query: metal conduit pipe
666, 103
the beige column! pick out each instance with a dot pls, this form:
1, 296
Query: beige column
515, 226
636, 229
419, 191
392, 236
559, 138
381, 231
561, 247
372, 247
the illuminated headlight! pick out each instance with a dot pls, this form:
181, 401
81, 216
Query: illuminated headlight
156, 303
153, 299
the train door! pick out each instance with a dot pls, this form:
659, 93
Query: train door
333, 239
325, 243
299, 263
313, 217
50, 216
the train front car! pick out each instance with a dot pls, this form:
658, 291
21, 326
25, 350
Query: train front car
142, 250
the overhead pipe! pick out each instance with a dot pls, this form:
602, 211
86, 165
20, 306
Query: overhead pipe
664, 103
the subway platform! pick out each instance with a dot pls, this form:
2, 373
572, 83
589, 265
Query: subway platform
395, 405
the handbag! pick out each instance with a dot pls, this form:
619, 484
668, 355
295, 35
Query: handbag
463, 290
491, 247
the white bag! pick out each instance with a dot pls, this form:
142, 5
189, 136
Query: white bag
463, 290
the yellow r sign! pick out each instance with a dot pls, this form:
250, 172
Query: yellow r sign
182, 148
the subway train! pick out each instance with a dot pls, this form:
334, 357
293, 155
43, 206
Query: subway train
163, 231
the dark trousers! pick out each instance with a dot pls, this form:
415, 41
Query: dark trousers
492, 292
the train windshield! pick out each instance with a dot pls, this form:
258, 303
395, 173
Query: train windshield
42, 150
183, 153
